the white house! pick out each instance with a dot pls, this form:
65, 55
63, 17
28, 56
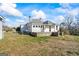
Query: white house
37, 26
1, 33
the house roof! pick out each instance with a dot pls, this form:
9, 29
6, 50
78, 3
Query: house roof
36, 21
49, 23
39, 22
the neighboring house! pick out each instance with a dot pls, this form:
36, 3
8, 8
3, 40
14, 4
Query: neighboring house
1, 33
37, 26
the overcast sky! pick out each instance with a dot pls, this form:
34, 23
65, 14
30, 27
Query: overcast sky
17, 13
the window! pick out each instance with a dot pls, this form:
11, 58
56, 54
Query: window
56, 27
36, 26
33, 26
50, 28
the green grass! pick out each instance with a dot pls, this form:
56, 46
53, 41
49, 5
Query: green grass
16, 44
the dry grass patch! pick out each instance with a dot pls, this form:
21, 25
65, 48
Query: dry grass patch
16, 44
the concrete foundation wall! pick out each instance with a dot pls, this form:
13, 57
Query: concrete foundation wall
46, 30
44, 34
36, 29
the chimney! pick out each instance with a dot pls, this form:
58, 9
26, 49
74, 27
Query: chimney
40, 19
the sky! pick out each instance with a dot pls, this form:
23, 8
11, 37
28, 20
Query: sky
16, 14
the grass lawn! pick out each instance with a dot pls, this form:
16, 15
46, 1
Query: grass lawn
24, 45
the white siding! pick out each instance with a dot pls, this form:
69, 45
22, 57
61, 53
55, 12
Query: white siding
36, 29
1, 30
26, 28
56, 28
30, 28
52, 29
46, 30
23, 28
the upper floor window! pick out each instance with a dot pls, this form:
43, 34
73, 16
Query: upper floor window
36, 26
33, 25
39, 26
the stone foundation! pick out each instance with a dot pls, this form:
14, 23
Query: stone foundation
44, 34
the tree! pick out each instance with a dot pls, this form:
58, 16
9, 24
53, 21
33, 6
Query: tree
66, 25
63, 29
68, 21
18, 29
75, 29
77, 21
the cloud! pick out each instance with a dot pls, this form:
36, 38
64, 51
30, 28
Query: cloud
74, 12
65, 5
19, 20
59, 19
16, 23
7, 1
7, 20
38, 14
61, 10
69, 9
10, 9
9, 5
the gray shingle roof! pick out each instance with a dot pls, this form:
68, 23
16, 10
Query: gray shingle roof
36, 21
49, 23
39, 22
